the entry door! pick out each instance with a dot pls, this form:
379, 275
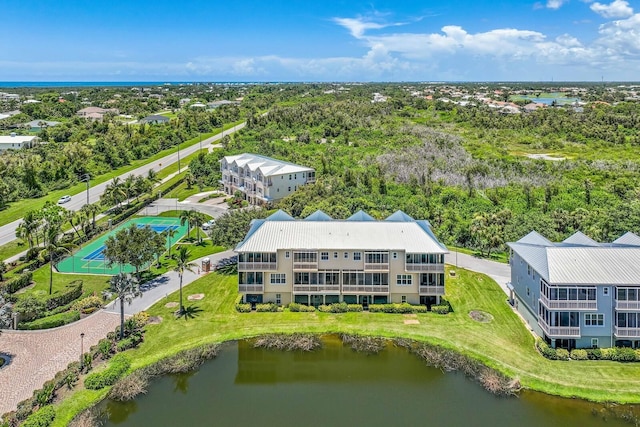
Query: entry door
316, 300
365, 301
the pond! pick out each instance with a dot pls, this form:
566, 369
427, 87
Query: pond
335, 386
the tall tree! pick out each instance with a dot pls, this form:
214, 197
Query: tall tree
126, 287
187, 217
183, 264
197, 219
52, 248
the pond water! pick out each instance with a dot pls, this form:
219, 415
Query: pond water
335, 386
549, 101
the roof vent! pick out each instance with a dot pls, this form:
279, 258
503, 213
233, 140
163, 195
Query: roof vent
13, 134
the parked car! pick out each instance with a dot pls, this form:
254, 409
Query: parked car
209, 224
64, 199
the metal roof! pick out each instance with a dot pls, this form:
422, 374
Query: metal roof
266, 165
579, 238
399, 216
270, 235
318, 216
360, 216
629, 239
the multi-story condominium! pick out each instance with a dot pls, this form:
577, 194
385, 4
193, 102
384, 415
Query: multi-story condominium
262, 179
578, 293
320, 260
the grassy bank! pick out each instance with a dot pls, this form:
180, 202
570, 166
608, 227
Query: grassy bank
504, 343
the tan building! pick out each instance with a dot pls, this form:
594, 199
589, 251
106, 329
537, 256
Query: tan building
319, 260
262, 179
96, 113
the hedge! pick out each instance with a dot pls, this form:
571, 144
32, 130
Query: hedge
401, 308
17, 283
618, 354
243, 308
295, 307
51, 321
267, 307
116, 369
43, 417
73, 292
440, 309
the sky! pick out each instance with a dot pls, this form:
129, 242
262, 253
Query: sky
305, 40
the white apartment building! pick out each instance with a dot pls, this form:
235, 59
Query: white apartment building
320, 260
16, 142
262, 179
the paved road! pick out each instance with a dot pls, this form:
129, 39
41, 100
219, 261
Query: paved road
164, 205
8, 231
498, 271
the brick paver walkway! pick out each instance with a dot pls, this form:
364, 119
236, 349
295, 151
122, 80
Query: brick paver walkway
38, 355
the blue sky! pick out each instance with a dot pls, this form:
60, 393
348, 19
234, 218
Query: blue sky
301, 40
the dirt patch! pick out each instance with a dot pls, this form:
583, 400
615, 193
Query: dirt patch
411, 322
481, 316
171, 304
155, 320
410, 316
195, 297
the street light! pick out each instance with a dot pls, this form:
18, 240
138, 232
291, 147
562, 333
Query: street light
200, 135
85, 177
178, 157
81, 350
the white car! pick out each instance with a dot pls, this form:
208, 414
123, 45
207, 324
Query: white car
207, 225
64, 199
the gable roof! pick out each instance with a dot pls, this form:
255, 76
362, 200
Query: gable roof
535, 238
265, 165
399, 216
360, 216
279, 215
318, 216
628, 239
580, 239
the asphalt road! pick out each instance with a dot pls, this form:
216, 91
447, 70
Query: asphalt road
8, 231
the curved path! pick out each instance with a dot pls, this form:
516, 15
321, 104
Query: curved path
498, 271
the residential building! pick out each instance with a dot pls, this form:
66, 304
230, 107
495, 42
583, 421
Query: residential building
262, 179
16, 142
578, 293
320, 260
38, 125
96, 113
154, 119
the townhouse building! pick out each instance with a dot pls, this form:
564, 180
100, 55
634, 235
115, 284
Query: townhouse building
578, 293
319, 260
262, 179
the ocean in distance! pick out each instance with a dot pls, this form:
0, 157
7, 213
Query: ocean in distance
110, 84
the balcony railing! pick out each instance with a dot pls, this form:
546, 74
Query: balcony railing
250, 288
434, 268
431, 290
559, 331
316, 288
621, 332
374, 289
305, 266
257, 266
568, 305
628, 305
375, 266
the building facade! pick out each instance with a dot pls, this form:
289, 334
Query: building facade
17, 142
262, 179
319, 260
578, 293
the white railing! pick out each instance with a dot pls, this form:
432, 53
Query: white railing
374, 266
431, 290
568, 305
559, 331
374, 289
434, 268
627, 305
259, 266
308, 266
316, 288
626, 332
250, 288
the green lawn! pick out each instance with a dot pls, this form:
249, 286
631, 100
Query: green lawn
92, 284
181, 192
12, 248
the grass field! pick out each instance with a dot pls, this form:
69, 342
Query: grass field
504, 343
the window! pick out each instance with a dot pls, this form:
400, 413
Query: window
594, 342
357, 256
404, 299
404, 280
287, 254
289, 188
528, 291
605, 291
346, 255
335, 255
324, 256
593, 319
395, 255
289, 177
528, 270
295, 176
278, 278
278, 298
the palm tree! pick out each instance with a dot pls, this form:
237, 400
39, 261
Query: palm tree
187, 216
92, 210
183, 264
170, 233
126, 286
52, 247
3, 269
189, 179
197, 219
129, 185
152, 177
114, 191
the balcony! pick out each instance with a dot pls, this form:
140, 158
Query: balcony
628, 305
559, 331
305, 266
370, 289
429, 268
568, 305
316, 288
250, 288
375, 266
257, 266
621, 332
431, 290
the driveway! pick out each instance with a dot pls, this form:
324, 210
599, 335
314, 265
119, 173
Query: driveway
164, 205
498, 271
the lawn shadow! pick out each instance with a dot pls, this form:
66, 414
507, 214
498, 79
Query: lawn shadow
192, 312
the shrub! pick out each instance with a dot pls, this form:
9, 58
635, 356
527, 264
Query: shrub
440, 309
296, 307
139, 320
30, 308
338, 307
376, 308
116, 369
303, 342
72, 292
623, 354
594, 354
545, 350
87, 303
354, 307
17, 283
129, 387
267, 307
33, 253
126, 344
606, 353
243, 308
419, 308
51, 321
579, 354
43, 417
104, 348
562, 354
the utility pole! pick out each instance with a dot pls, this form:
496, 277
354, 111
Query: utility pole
178, 157
85, 177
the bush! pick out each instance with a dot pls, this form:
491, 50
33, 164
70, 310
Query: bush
545, 350
243, 308
594, 354
51, 321
440, 309
72, 292
338, 307
17, 283
562, 354
267, 307
105, 348
354, 307
607, 353
126, 344
87, 303
116, 369
30, 308
579, 354
43, 417
33, 253
296, 307
623, 354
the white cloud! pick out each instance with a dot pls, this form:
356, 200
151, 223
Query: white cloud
622, 37
357, 26
615, 9
555, 4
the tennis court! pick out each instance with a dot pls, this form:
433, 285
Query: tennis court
90, 258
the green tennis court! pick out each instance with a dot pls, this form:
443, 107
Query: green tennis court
90, 258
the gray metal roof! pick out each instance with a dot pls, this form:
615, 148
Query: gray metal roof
399, 216
269, 236
535, 238
318, 216
266, 165
360, 216
579, 238
629, 239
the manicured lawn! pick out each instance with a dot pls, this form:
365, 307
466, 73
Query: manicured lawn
12, 248
90, 283
181, 192
495, 256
